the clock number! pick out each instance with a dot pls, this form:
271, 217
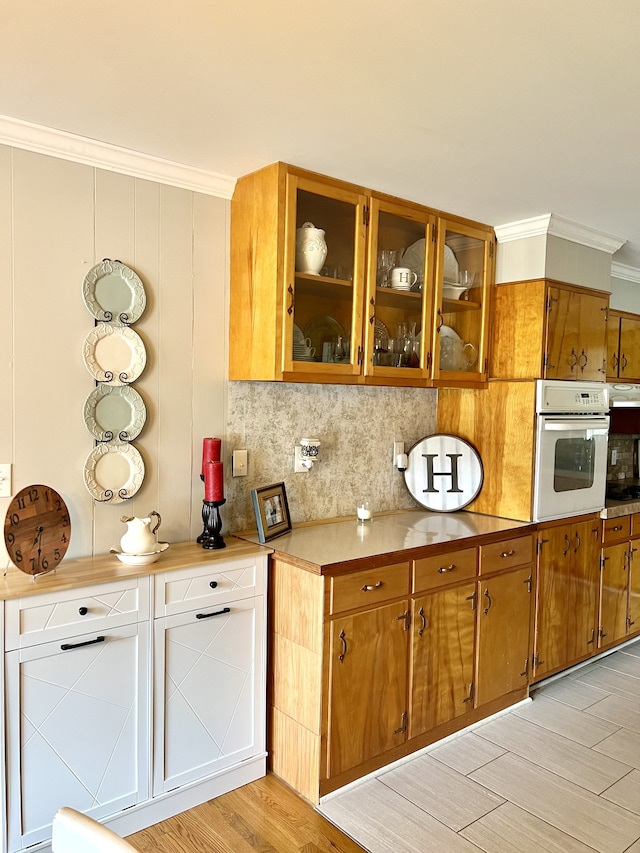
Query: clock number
18, 556
56, 554
20, 503
58, 505
11, 539
45, 564
65, 520
14, 518
63, 538
34, 495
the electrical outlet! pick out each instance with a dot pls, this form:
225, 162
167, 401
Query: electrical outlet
299, 466
239, 463
5, 480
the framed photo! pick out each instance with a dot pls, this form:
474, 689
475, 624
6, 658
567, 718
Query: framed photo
272, 511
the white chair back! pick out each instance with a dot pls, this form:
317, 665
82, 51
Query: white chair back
74, 832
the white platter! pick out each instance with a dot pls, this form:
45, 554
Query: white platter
113, 293
114, 412
413, 257
113, 472
114, 355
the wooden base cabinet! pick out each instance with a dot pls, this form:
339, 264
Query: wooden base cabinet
372, 664
566, 594
619, 601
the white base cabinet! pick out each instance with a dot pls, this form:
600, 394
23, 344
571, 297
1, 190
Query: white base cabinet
134, 698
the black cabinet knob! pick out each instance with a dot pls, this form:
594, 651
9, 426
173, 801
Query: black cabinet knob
213, 584
83, 611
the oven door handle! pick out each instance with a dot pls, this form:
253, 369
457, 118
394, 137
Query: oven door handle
593, 427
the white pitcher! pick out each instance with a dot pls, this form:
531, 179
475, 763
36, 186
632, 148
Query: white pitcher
140, 537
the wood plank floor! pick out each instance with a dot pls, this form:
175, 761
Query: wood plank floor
265, 815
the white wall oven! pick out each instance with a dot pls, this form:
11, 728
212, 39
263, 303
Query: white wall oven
572, 427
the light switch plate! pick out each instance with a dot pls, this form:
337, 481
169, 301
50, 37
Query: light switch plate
239, 463
5, 480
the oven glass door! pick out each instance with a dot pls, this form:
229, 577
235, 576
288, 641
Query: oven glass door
571, 465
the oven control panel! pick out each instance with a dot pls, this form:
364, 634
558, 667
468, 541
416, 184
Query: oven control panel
561, 397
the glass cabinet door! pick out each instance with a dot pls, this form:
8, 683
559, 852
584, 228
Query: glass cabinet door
324, 275
464, 272
399, 296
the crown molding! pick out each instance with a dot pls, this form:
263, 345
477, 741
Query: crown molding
625, 272
557, 226
79, 149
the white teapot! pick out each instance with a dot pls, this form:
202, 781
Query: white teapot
140, 537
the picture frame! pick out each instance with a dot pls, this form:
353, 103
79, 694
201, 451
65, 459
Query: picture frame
272, 511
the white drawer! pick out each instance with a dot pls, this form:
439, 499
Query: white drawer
49, 616
197, 587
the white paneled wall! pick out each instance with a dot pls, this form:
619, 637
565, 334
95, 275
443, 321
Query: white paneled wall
57, 219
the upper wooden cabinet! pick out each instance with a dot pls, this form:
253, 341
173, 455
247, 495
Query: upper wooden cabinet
347, 323
623, 347
544, 329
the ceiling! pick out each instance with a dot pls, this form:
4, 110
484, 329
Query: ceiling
499, 110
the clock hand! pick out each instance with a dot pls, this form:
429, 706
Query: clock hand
38, 541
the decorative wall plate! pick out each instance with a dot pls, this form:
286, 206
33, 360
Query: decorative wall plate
113, 472
114, 354
113, 293
114, 412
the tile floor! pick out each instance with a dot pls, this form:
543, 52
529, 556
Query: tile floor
558, 774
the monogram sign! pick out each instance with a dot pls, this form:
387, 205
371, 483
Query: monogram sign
444, 473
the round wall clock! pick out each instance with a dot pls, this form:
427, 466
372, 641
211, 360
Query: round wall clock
37, 529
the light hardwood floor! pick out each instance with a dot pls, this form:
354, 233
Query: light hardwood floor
559, 774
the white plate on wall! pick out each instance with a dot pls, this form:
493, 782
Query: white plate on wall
114, 412
114, 355
113, 293
113, 472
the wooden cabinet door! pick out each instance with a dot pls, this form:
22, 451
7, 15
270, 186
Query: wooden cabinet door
441, 671
367, 685
567, 595
629, 349
614, 576
503, 613
633, 617
592, 337
563, 316
613, 346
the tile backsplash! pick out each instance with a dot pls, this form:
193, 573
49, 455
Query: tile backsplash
626, 464
356, 426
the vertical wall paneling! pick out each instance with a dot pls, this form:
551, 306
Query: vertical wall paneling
175, 361
52, 240
6, 317
210, 306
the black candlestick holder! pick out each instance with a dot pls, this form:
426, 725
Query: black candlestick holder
210, 538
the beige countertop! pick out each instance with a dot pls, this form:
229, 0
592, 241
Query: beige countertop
348, 542
107, 567
614, 509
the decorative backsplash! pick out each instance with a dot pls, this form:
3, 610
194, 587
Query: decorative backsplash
356, 426
625, 453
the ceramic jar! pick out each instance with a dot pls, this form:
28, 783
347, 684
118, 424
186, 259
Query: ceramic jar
311, 249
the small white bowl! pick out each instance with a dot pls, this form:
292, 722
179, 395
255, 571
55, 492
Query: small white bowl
453, 291
140, 559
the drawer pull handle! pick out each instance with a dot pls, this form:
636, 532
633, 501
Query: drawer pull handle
66, 646
509, 553
617, 527
369, 587
216, 613
444, 569
83, 611
213, 584
344, 647
403, 724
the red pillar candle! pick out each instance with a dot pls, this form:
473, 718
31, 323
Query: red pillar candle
213, 482
210, 451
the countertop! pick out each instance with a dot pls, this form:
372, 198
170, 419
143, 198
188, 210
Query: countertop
615, 509
107, 567
348, 542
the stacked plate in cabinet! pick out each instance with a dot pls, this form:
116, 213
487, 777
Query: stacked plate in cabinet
115, 355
